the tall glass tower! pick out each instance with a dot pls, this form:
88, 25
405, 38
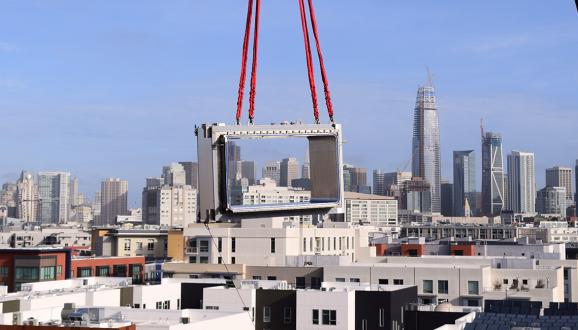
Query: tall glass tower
464, 182
426, 147
493, 193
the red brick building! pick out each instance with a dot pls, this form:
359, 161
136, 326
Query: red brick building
25, 265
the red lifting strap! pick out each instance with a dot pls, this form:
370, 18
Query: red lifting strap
309, 60
321, 64
244, 61
254, 67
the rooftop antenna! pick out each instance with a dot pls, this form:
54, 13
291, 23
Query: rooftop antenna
429, 77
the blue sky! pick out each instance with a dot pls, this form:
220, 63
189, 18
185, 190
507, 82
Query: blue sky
113, 88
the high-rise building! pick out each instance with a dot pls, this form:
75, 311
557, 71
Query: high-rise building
113, 200
53, 197
551, 200
393, 182
174, 175
27, 197
558, 176
521, 182
8, 198
248, 171
289, 171
73, 190
233, 152
379, 187
272, 170
191, 173
447, 190
426, 161
415, 196
492, 174
359, 180
171, 206
306, 168
464, 182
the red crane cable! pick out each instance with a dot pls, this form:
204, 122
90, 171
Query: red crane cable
254, 64
244, 61
309, 60
321, 64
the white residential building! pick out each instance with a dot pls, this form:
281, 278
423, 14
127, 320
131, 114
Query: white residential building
521, 182
370, 209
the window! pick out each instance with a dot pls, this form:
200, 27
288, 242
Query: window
271, 278
443, 287
204, 260
159, 304
257, 278
219, 260
473, 287
383, 281
329, 317
233, 244
27, 273
3, 271
233, 260
381, 317
204, 246
315, 316
83, 272
266, 313
139, 245
427, 286
315, 283
220, 244
102, 271
127, 244
397, 281
304, 244
58, 270
215, 308
354, 280
167, 304
300, 282
192, 260
151, 245
273, 245
287, 315
340, 279
505, 281
525, 282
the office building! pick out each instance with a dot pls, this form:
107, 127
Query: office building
558, 176
170, 206
426, 161
521, 182
272, 170
375, 210
53, 196
415, 196
27, 197
289, 170
492, 174
248, 171
447, 190
113, 202
233, 152
552, 200
306, 168
464, 181
191, 173
379, 187
390, 182
174, 175
356, 179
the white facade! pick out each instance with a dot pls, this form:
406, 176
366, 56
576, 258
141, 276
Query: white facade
177, 206
174, 175
289, 170
53, 197
341, 303
27, 197
114, 200
370, 209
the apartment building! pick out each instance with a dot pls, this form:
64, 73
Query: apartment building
370, 209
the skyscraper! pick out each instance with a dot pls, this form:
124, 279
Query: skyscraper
551, 200
426, 144
272, 170
464, 182
53, 196
113, 200
558, 176
447, 190
27, 197
492, 174
521, 182
306, 168
233, 152
288, 172
191, 173
379, 187
174, 175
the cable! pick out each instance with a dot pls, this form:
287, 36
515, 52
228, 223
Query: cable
228, 272
254, 64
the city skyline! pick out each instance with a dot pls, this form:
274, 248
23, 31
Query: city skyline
513, 80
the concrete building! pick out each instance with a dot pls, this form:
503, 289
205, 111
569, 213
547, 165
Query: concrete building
358, 180
177, 206
27, 197
53, 196
493, 191
552, 200
521, 182
268, 242
174, 175
558, 176
426, 160
289, 170
272, 170
374, 210
119, 242
191, 173
464, 187
114, 200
